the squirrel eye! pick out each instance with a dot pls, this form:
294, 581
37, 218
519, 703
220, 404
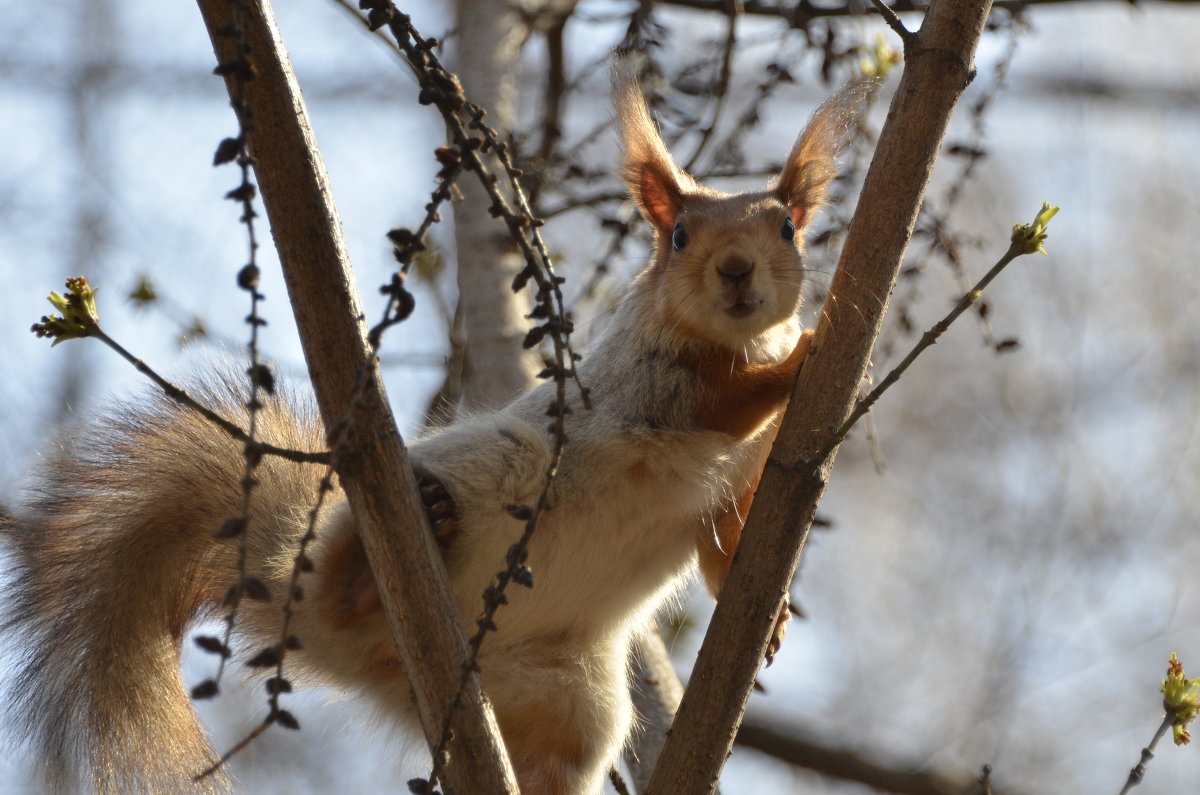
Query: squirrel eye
788, 232
679, 237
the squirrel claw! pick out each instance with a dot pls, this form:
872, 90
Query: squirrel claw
776, 641
440, 509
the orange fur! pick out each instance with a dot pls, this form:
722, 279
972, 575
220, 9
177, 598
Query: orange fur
717, 544
347, 593
744, 396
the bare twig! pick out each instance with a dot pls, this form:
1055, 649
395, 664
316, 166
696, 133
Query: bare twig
442, 89
942, 239
240, 70
893, 22
721, 92
927, 339
176, 393
556, 92
1139, 770
802, 748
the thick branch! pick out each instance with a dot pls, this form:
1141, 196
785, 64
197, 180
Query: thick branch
376, 476
938, 65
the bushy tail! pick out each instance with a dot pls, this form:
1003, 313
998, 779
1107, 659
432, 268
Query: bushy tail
114, 558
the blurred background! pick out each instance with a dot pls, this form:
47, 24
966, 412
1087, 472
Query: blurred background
1011, 544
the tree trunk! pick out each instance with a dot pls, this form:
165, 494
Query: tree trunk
491, 34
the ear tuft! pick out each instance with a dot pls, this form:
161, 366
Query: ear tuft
651, 176
811, 165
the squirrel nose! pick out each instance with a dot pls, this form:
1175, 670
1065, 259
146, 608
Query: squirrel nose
735, 270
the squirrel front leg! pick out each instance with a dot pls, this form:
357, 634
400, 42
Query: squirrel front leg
744, 395
480, 466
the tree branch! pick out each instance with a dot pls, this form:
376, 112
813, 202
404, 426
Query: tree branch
801, 12
791, 745
378, 481
937, 70
656, 691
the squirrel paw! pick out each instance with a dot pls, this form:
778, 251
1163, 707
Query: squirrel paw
785, 612
440, 508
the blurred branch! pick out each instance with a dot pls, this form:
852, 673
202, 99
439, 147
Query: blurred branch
179, 395
721, 90
491, 36
797, 747
656, 691
800, 13
556, 91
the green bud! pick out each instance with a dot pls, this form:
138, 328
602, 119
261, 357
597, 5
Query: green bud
1031, 236
79, 314
1181, 700
881, 60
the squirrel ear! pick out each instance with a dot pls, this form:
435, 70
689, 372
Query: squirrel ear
657, 196
810, 167
654, 181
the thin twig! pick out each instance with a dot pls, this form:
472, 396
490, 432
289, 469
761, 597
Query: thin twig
1139, 770
893, 22
232, 752
800, 12
178, 394
732, 10
301, 563
241, 69
934, 220
927, 339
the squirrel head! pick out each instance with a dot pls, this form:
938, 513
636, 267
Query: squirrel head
727, 267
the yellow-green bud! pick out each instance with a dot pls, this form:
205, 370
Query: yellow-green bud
1031, 236
79, 314
881, 60
1181, 700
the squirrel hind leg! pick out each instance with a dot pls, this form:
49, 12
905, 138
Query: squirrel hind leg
551, 752
564, 711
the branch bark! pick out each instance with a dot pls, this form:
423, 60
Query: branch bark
378, 481
938, 67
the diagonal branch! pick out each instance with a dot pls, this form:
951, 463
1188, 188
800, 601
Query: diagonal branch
938, 66
801, 748
378, 481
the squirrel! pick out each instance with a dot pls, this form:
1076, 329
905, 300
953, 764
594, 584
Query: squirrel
115, 557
